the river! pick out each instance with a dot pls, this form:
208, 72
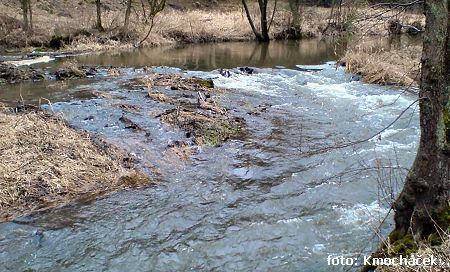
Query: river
281, 199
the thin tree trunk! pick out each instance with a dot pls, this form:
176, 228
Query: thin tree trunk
127, 18
25, 14
294, 5
273, 14
426, 191
264, 26
30, 10
143, 11
250, 21
99, 15
152, 22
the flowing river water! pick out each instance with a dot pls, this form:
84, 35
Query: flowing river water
280, 199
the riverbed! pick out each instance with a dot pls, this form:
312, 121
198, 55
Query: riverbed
283, 198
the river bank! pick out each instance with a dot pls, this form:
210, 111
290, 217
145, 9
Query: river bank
69, 27
185, 23
395, 65
45, 163
177, 24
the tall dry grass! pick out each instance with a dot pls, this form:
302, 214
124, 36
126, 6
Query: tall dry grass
44, 162
383, 65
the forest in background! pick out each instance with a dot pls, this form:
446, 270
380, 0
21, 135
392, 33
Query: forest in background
99, 25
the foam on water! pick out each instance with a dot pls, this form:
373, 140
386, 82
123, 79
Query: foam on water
339, 90
361, 215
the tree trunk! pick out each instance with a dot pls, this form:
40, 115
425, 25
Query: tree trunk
99, 16
294, 6
426, 191
262, 36
250, 21
30, 11
25, 14
127, 18
264, 26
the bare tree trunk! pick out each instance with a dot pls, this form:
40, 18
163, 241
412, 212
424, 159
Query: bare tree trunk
127, 18
143, 11
264, 26
30, 10
426, 191
250, 21
262, 36
273, 14
99, 15
25, 14
294, 6
154, 7
152, 23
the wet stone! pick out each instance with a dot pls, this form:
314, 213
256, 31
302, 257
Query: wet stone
130, 124
11, 74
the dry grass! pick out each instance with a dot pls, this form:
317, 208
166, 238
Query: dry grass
172, 27
224, 22
375, 21
43, 162
441, 252
203, 26
377, 64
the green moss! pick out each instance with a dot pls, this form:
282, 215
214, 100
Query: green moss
218, 134
206, 83
406, 245
446, 120
403, 246
394, 236
434, 240
40, 49
211, 137
443, 219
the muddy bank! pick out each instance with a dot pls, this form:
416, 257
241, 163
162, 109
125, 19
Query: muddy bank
45, 163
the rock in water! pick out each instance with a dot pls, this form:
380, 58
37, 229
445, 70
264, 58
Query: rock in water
225, 73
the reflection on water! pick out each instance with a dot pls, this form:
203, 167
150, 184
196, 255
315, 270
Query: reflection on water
39, 92
199, 57
207, 57
203, 57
